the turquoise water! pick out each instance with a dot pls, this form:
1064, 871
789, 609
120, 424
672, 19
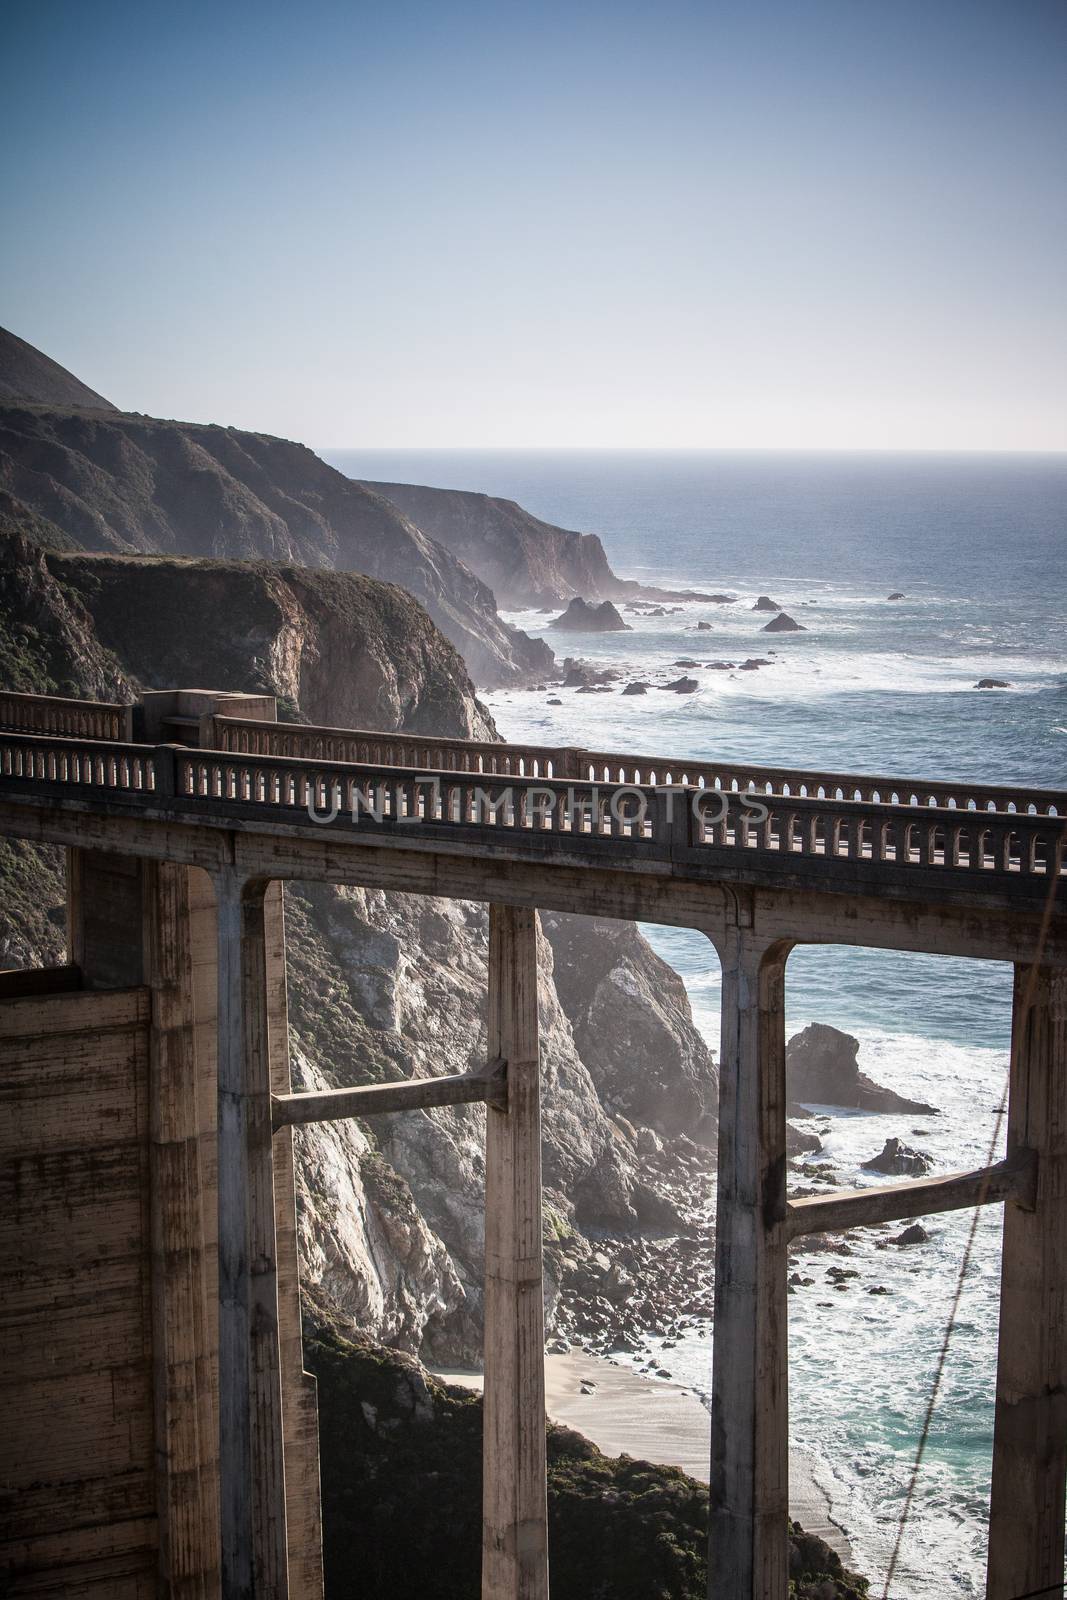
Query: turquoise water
978, 545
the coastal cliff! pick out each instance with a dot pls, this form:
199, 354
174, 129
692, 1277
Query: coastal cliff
526, 562
381, 986
102, 480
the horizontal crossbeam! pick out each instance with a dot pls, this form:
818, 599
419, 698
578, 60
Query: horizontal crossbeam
1012, 1179
412, 1094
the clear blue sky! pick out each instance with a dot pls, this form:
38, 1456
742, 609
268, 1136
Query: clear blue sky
810, 223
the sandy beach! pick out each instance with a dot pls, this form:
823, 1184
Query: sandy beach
623, 1412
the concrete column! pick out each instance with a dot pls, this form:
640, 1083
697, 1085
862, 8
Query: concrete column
1026, 1518
251, 1456
514, 1496
184, 1431
748, 1547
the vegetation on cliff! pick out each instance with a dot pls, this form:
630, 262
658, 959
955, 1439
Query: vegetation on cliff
401, 1492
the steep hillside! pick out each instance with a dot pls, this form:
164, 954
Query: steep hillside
381, 986
108, 481
526, 562
28, 374
401, 1483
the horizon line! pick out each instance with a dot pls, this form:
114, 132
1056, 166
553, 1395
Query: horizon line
702, 449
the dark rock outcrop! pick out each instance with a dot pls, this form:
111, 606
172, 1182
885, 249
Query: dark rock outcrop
898, 1160
637, 687
992, 683
765, 603
683, 685
822, 1068
392, 1438
784, 623
800, 1143
914, 1234
581, 617
896, 595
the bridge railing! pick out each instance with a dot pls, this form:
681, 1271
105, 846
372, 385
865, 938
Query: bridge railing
133, 769
244, 736
298, 740
99, 720
669, 821
659, 821
73, 719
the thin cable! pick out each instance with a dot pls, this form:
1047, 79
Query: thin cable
950, 1326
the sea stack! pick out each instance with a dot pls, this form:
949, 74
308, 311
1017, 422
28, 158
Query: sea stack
784, 623
581, 617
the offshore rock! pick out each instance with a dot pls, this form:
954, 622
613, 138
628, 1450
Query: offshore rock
822, 1069
898, 1160
581, 617
784, 624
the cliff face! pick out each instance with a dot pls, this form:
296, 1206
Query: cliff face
526, 562
108, 481
342, 648
381, 986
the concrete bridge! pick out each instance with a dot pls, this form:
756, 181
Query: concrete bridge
147, 1155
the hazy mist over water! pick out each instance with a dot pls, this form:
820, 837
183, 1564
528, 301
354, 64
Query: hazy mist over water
978, 546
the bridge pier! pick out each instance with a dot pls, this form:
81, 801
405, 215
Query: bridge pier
514, 1491
748, 1537
254, 1559
1026, 1513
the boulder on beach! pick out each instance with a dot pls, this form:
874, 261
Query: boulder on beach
992, 683
822, 1068
800, 1143
784, 623
899, 1160
581, 617
683, 685
765, 603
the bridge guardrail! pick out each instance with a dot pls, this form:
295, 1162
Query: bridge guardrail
299, 740
681, 823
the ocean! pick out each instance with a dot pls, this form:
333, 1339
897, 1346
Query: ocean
978, 547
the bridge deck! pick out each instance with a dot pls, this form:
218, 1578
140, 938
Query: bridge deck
796, 829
